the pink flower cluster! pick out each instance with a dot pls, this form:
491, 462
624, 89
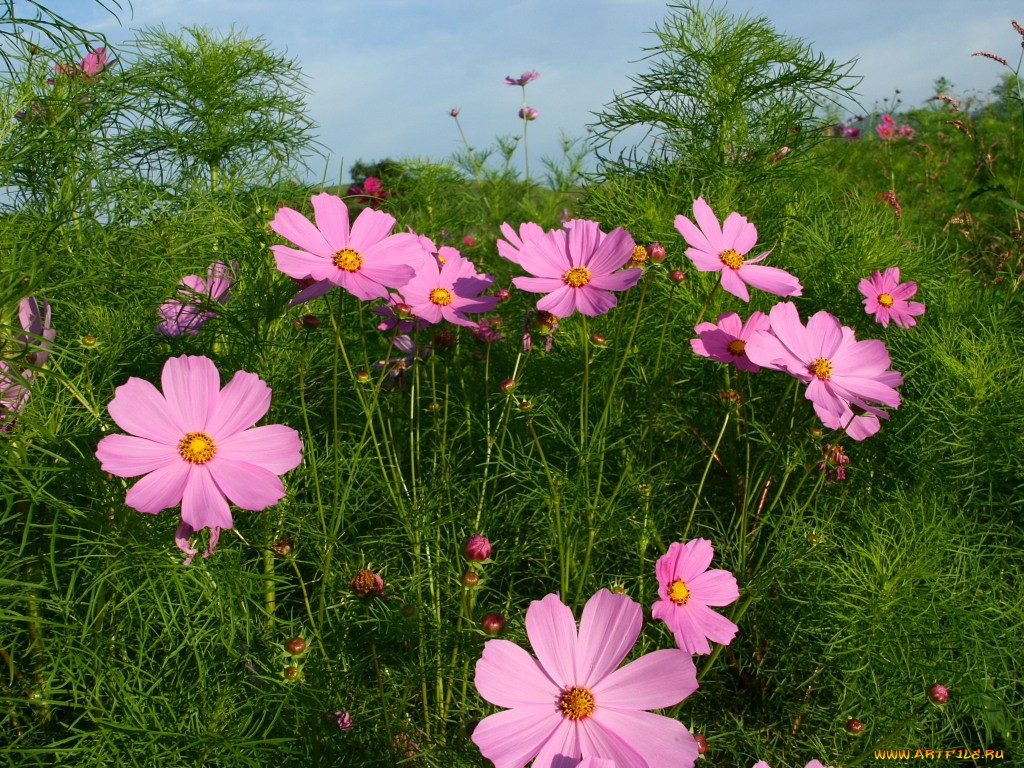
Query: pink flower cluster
888, 129
193, 307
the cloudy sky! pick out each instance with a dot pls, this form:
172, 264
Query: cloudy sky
385, 73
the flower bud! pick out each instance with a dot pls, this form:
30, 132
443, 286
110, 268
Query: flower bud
525, 405
507, 385
296, 646
470, 579
493, 623
656, 252
88, 341
477, 547
939, 693
362, 377
855, 726
344, 720
292, 673
454, 112
677, 275
598, 339
702, 743
469, 240
403, 310
366, 583
503, 294
307, 323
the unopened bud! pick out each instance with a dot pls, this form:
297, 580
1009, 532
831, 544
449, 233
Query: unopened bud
507, 385
598, 339
855, 726
307, 323
702, 743
470, 578
477, 547
296, 646
493, 623
503, 294
939, 693
656, 252
677, 275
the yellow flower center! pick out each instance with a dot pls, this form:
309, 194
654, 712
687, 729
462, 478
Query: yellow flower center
577, 703
821, 368
736, 346
348, 259
678, 592
885, 299
197, 448
731, 259
577, 276
441, 296
639, 255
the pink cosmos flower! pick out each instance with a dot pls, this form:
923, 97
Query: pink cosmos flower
196, 446
94, 62
523, 79
576, 268
13, 395
510, 247
571, 703
38, 335
841, 372
715, 248
727, 340
528, 113
686, 588
448, 289
190, 311
887, 298
364, 259
887, 128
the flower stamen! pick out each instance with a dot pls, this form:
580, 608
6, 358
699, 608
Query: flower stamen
577, 703
885, 299
736, 346
731, 258
639, 256
678, 592
442, 297
577, 276
197, 448
822, 368
348, 260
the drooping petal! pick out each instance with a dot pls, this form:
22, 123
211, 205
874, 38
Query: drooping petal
246, 485
275, 447
552, 631
770, 280
202, 503
658, 679
609, 627
127, 456
243, 401
319, 288
160, 489
513, 737
190, 385
508, 676
139, 409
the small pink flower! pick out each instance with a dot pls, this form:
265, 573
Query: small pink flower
572, 699
13, 395
716, 248
454, 112
888, 299
364, 259
446, 286
523, 79
841, 372
577, 268
469, 241
887, 128
528, 113
196, 445
727, 340
344, 721
94, 62
190, 311
687, 588
38, 335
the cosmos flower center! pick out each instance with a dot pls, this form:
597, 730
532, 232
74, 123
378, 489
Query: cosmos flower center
822, 368
197, 448
736, 346
639, 256
731, 259
577, 276
441, 296
577, 703
678, 592
885, 299
348, 259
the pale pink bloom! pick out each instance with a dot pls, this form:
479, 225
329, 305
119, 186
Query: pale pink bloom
196, 445
38, 335
687, 588
528, 113
523, 79
192, 308
570, 702
577, 268
365, 259
13, 395
840, 371
715, 248
94, 62
888, 299
447, 292
727, 340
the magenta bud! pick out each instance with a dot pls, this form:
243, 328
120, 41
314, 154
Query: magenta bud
507, 385
403, 310
503, 294
307, 322
493, 623
477, 547
939, 693
454, 112
656, 252
677, 275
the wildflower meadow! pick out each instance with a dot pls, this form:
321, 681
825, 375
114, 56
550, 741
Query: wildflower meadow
698, 445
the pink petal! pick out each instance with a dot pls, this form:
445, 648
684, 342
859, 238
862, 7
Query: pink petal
508, 676
361, 286
790, 331
246, 485
139, 409
709, 225
191, 384
511, 738
824, 335
771, 280
552, 631
545, 256
562, 749
538, 284
694, 560
292, 225
243, 401
160, 489
598, 741
274, 447
705, 261
689, 633
903, 291
593, 301
582, 240
714, 625
370, 228
618, 281
127, 456
331, 219
202, 504
738, 233
612, 252
318, 288
661, 741
692, 234
658, 679
560, 303
717, 587
733, 283
391, 275
609, 627
820, 393
300, 264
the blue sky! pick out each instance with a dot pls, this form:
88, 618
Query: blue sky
385, 73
